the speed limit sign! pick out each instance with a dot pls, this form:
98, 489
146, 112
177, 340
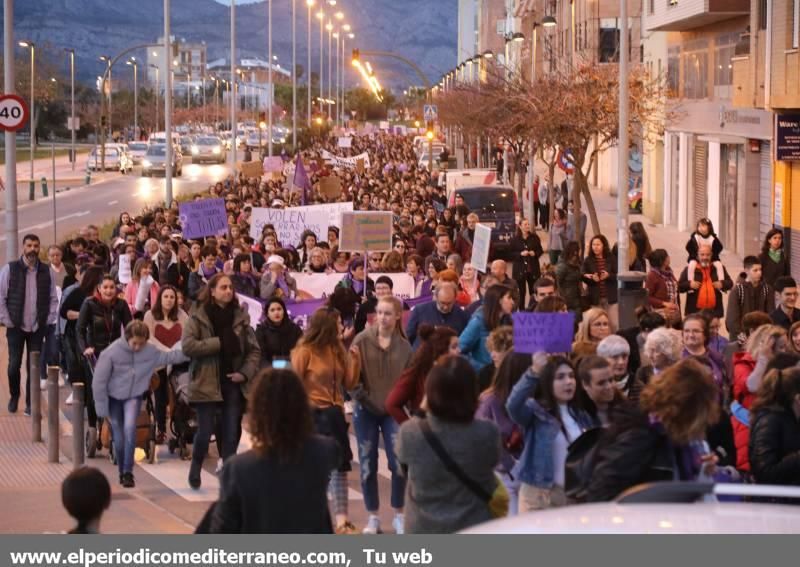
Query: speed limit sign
13, 113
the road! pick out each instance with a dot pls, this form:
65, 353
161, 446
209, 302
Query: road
104, 201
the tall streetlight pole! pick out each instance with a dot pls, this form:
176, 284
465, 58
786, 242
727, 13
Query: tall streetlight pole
12, 228
329, 27
135, 66
294, 75
168, 106
622, 153
106, 114
158, 95
310, 4
321, 18
30, 45
269, 74
233, 86
72, 102
335, 70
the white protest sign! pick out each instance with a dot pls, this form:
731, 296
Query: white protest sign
345, 142
289, 223
345, 162
322, 285
334, 211
124, 269
480, 247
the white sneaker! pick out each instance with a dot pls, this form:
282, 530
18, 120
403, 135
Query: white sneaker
373, 526
399, 524
69, 399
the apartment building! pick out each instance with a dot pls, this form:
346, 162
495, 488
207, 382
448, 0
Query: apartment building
715, 155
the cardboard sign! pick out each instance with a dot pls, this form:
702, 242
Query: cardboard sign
250, 168
330, 186
273, 164
206, 217
360, 166
480, 247
543, 332
369, 231
289, 223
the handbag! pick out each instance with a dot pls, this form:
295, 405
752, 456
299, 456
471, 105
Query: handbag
496, 501
580, 464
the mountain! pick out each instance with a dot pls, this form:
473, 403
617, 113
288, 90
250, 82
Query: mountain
422, 31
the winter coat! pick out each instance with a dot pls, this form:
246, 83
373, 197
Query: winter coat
100, 325
492, 409
744, 298
743, 365
246, 284
197, 282
691, 294
463, 245
406, 394
472, 341
429, 313
123, 374
775, 446
771, 270
174, 275
132, 291
203, 347
610, 283
380, 368
568, 278
540, 429
268, 288
526, 264
277, 340
324, 377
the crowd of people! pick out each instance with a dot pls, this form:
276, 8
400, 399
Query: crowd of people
463, 418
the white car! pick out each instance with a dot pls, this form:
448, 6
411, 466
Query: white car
116, 159
674, 512
137, 150
208, 148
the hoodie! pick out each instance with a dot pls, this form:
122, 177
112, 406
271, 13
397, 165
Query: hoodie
122, 374
380, 368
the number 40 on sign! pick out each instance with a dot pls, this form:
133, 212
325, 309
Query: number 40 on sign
13, 113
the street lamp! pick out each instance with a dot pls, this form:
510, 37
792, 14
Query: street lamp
158, 92
107, 60
72, 102
336, 36
321, 18
549, 22
269, 73
132, 62
309, 4
30, 45
329, 27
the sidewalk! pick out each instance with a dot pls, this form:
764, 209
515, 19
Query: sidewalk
65, 177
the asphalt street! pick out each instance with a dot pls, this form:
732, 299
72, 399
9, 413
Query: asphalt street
104, 201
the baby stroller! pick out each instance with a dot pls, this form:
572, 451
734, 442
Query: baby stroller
183, 421
145, 425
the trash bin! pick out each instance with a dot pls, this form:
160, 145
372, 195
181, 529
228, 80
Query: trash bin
632, 294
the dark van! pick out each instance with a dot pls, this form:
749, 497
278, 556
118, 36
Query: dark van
495, 207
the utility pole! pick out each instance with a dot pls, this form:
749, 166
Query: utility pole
168, 106
12, 229
622, 153
294, 75
72, 103
233, 87
271, 85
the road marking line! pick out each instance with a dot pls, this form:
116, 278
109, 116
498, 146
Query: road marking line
49, 223
113, 202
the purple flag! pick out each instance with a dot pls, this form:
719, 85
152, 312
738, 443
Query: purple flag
301, 180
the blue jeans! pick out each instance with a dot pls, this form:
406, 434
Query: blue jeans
368, 427
232, 407
19, 340
123, 414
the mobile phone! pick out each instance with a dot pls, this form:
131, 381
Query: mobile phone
280, 363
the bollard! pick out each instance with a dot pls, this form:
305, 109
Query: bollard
32, 190
44, 187
78, 444
36, 397
53, 412
88, 179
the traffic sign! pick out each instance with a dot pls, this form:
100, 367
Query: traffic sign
13, 113
430, 112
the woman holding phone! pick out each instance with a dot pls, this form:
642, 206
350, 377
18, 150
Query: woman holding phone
277, 334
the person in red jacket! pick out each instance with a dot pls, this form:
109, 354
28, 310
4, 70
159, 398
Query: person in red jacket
407, 393
749, 367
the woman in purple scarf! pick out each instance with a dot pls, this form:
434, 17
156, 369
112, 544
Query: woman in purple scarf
276, 281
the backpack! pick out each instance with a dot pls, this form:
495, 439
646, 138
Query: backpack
579, 465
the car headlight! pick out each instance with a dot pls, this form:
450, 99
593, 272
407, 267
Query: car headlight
146, 163
216, 150
195, 150
283, 140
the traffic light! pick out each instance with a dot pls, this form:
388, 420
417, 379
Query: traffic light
356, 59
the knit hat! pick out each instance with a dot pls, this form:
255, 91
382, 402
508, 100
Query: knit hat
275, 259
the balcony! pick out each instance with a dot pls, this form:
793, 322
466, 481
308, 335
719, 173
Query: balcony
685, 15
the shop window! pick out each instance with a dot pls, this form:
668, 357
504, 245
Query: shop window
608, 40
673, 71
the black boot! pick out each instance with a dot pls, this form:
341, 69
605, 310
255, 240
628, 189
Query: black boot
194, 474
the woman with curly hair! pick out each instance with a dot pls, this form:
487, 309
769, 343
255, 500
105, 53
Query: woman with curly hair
280, 485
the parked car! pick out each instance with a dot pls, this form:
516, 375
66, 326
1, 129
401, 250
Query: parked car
137, 151
208, 148
496, 207
156, 160
186, 144
116, 159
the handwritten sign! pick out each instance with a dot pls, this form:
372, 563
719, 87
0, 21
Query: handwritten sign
273, 164
250, 168
124, 274
290, 223
330, 186
543, 332
206, 217
480, 247
369, 231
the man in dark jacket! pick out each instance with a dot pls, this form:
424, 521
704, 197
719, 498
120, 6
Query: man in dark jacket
165, 264
28, 306
442, 311
703, 282
749, 294
785, 314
